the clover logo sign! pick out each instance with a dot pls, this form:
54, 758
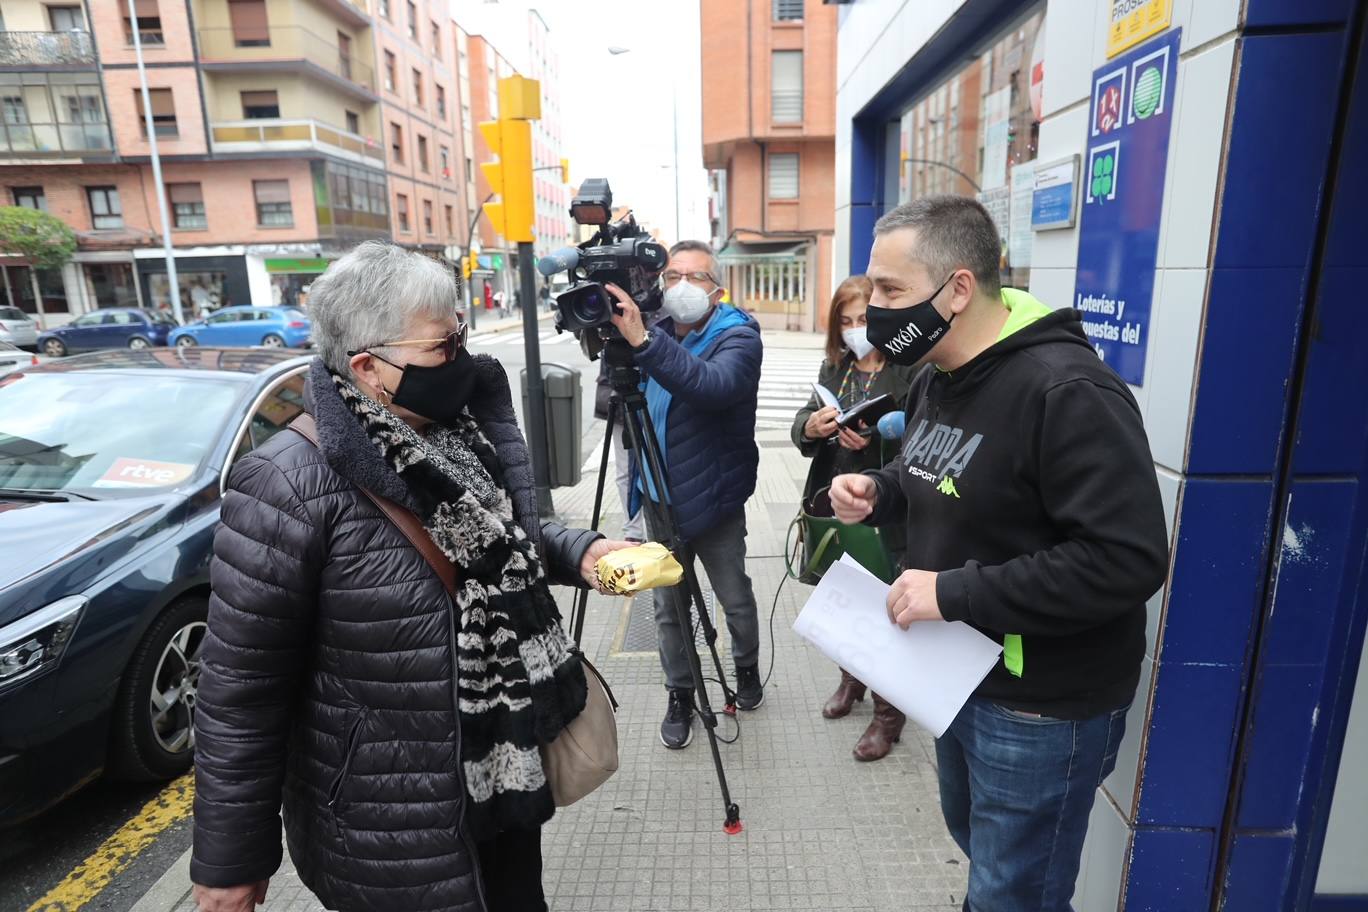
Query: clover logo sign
1103, 164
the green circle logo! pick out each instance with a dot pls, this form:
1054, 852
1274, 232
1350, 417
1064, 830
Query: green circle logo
1149, 88
1102, 175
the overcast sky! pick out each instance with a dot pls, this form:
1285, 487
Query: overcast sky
617, 108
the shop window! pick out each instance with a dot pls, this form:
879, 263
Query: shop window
251, 28
187, 206
788, 10
273, 203
163, 113
30, 198
149, 22
402, 210
111, 284
260, 105
50, 286
783, 176
201, 293
786, 87
105, 211
976, 134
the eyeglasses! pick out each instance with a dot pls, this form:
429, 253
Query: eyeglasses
670, 277
449, 344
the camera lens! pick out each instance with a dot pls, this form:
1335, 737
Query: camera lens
591, 307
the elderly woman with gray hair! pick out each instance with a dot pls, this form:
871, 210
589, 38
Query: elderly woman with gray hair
395, 710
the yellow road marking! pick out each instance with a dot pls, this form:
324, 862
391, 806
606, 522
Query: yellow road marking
88, 879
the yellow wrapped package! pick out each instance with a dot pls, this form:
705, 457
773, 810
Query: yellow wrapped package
645, 566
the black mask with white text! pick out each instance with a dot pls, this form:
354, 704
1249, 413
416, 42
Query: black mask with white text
907, 334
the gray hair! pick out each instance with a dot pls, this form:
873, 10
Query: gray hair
714, 266
372, 295
953, 232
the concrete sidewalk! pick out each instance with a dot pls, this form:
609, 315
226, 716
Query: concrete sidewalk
821, 830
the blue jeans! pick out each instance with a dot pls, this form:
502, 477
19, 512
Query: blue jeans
1016, 792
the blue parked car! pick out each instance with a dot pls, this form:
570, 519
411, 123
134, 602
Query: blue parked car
115, 327
112, 466
273, 327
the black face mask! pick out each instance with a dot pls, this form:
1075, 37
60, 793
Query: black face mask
907, 334
435, 393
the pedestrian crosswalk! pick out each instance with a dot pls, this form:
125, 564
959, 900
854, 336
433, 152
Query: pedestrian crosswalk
496, 340
786, 378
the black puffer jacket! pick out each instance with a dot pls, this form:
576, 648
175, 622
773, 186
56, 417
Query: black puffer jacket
328, 678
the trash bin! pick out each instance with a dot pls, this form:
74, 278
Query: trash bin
561, 384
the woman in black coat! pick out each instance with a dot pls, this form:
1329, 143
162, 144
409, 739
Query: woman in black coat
398, 722
854, 370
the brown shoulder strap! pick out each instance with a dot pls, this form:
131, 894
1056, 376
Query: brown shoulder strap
404, 519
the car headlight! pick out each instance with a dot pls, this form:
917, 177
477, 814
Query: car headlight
34, 644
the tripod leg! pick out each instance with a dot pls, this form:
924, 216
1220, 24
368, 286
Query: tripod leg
582, 599
642, 435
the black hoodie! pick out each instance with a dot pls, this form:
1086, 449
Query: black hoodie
1028, 485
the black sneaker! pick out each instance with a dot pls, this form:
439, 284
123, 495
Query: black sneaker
677, 730
749, 692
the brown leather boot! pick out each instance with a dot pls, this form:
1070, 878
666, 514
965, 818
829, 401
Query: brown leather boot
848, 692
884, 731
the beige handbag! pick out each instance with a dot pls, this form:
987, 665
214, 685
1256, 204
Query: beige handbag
585, 754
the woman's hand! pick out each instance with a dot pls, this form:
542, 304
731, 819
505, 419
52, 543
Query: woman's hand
231, 899
591, 557
821, 424
627, 316
853, 441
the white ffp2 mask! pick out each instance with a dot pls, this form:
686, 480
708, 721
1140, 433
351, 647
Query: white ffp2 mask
686, 302
857, 340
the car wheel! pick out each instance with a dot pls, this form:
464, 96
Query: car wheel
186, 342
54, 348
154, 716
273, 341
138, 343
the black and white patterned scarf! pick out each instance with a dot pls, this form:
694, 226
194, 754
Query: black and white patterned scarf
519, 680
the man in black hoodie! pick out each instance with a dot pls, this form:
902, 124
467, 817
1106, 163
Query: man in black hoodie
1033, 514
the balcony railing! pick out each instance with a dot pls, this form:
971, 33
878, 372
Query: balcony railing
52, 139
286, 44
294, 135
73, 48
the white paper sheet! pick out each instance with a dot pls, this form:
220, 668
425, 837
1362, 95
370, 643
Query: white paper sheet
928, 671
827, 398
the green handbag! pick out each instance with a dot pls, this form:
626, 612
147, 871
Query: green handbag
822, 538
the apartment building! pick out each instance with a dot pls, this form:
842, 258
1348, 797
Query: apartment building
769, 119
288, 131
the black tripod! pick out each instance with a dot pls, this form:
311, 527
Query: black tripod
625, 379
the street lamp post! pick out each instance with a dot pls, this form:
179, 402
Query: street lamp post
173, 283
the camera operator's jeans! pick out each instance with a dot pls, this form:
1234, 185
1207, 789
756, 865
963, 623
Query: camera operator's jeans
1016, 792
722, 549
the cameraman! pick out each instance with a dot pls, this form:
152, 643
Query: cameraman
702, 364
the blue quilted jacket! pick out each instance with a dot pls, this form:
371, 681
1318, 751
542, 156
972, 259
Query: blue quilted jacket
709, 435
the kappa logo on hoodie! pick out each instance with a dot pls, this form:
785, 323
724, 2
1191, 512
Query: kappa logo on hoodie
938, 454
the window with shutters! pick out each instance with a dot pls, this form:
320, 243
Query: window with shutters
436, 41
163, 113
353, 122
250, 25
423, 155
418, 87
149, 22
105, 210
390, 75
412, 21
397, 143
788, 10
273, 203
783, 176
440, 93
444, 157
66, 19
260, 105
401, 209
427, 216
450, 221
344, 57
30, 198
786, 87
187, 206
384, 9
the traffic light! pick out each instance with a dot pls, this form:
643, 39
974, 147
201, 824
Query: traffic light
565, 170
514, 216
468, 266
